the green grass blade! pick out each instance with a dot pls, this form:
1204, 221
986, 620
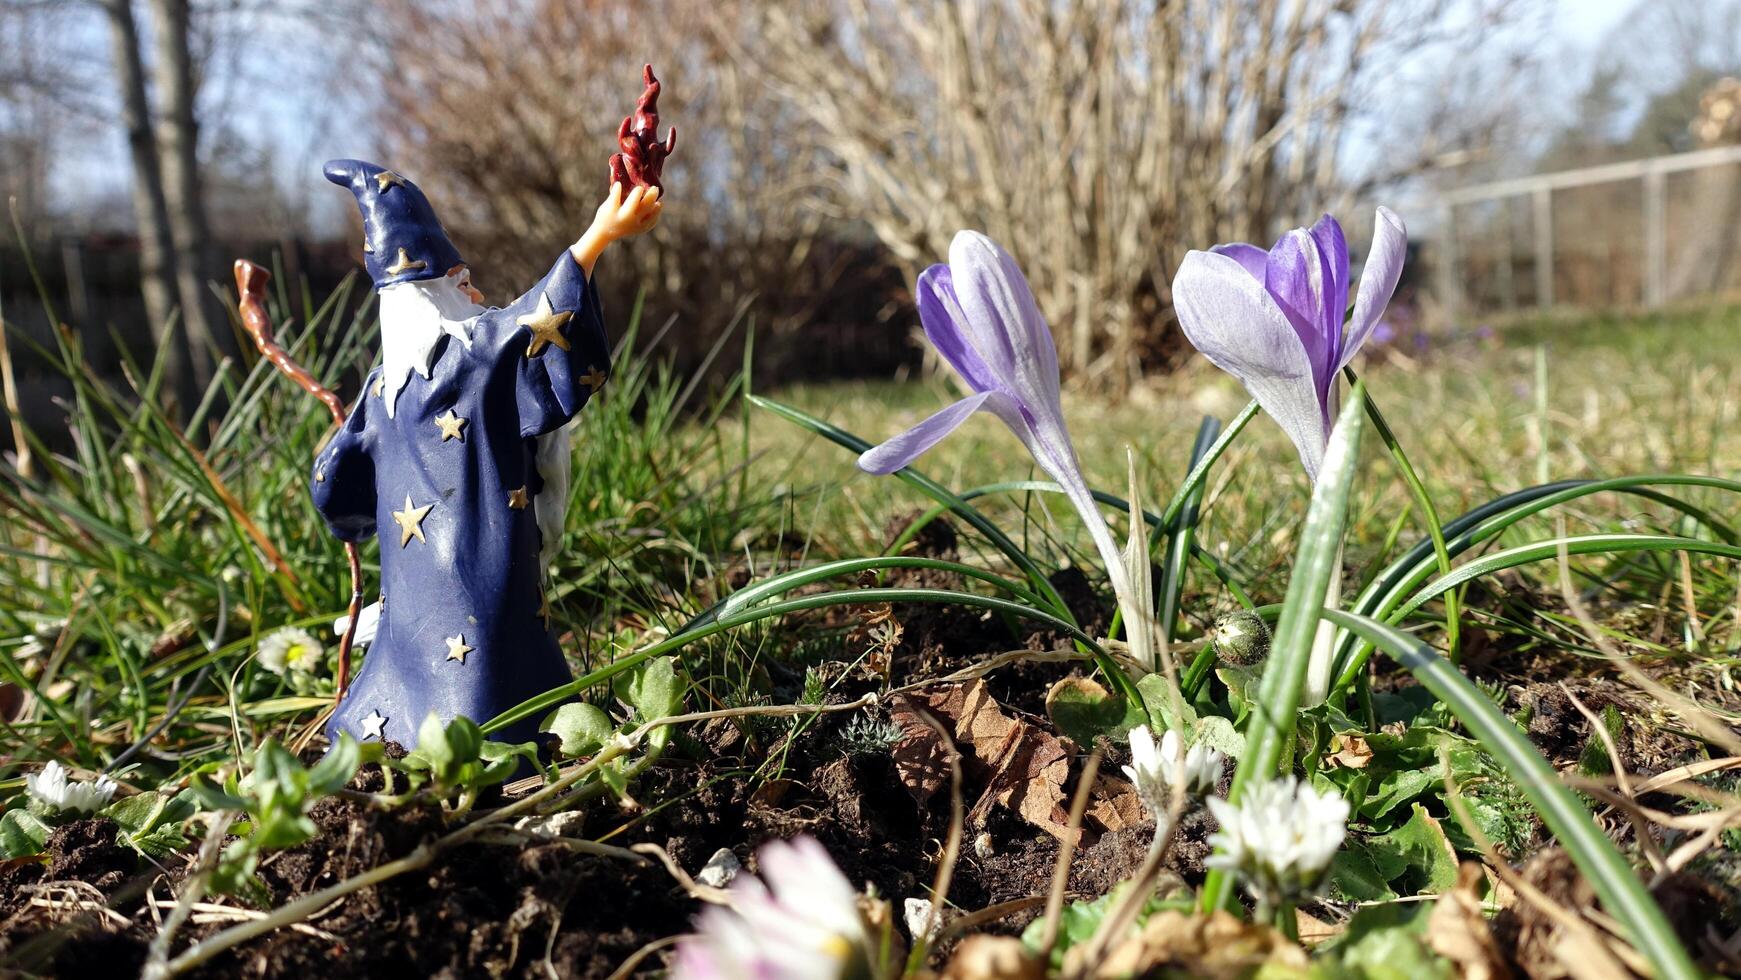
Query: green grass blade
1271, 729
551, 698
1184, 526
931, 488
1623, 896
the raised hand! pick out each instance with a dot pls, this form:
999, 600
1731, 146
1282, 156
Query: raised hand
618, 217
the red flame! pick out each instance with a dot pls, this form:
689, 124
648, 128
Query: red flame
643, 157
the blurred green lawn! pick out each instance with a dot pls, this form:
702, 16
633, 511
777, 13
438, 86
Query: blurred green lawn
1624, 394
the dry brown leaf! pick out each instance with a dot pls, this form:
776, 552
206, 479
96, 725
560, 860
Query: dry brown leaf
1219, 946
1458, 931
1028, 767
1023, 767
1349, 751
985, 957
921, 758
1115, 805
1313, 930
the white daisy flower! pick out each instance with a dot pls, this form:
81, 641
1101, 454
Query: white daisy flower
54, 790
802, 923
291, 648
1154, 768
1280, 838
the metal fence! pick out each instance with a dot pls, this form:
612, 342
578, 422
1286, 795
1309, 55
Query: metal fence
1643, 232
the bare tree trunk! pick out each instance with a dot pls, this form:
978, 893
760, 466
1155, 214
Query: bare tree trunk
178, 152
156, 248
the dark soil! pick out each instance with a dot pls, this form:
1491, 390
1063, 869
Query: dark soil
540, 907
527, 909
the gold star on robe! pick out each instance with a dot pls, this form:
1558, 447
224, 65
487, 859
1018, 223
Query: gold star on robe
405, 263
594, 379
375, 725
457, 648
410, 521
452, 426
546, 326
517, 498
386, 179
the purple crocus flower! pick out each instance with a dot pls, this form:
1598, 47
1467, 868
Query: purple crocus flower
1274, 319
980, 314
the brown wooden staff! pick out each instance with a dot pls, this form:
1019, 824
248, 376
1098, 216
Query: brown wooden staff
251, 287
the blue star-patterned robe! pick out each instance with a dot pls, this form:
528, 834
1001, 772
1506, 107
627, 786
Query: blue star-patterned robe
463, 629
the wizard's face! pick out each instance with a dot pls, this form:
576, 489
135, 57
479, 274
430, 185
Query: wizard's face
462, 280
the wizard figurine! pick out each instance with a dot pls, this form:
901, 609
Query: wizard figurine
455, 455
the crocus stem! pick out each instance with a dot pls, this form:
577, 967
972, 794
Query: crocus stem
1322, 663
1286, 922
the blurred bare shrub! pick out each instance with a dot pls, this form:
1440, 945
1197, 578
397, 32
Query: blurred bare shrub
1098, 139
828, 145
506, 113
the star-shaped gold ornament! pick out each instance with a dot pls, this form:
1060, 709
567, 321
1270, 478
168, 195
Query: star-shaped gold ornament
518, 499
386, 179
451, 425
375, 726
457, 648
594, 379
405, 263
410, 521
546, 326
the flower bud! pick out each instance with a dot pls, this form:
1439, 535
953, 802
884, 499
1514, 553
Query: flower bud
1241, 637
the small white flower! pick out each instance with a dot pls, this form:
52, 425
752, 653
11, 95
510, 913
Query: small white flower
1155, 768
802, 923
290, 648
53, 789
1280, 838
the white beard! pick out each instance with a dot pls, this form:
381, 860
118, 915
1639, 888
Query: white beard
414, 317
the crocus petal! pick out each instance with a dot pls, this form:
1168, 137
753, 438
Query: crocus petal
940, 312
1297, 276
1333, 253
1390, 247
1232, 319
901, 450
1002, 321
1255, 260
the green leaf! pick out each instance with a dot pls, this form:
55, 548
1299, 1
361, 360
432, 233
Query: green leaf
1362, 873
432, 745
654, 690
1159, 705
21, 834
464, 739
583, 728
1594, 760
211, 797
1623, 896
1422, 844
1218, 733
137, 813
1384, 943
334, 771
1084, 710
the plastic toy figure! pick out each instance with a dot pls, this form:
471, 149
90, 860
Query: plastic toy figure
455, 453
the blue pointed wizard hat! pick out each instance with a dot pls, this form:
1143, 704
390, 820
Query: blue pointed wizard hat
402, 238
